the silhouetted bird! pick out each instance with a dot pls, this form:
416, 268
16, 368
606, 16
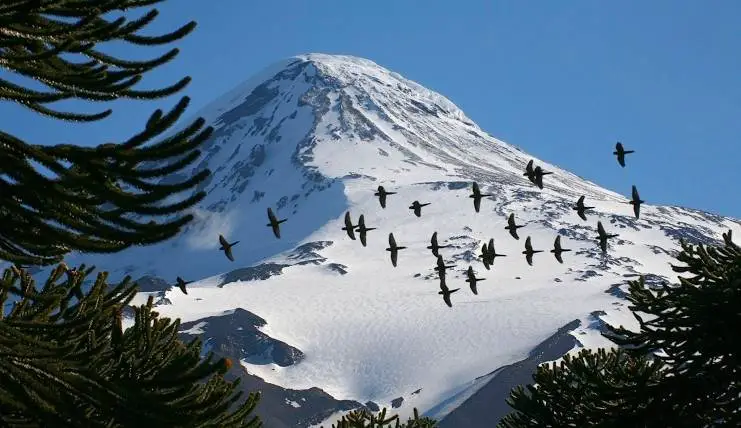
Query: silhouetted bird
557, 249
274, 223
441, 266
349, 228
417, 207
620, 152
485, 256
382, 193
477, 195
182, 283
636, 202
226, 247
581, 209
512, 227
603, 236
362, 229
394, 249
538, 173
529, 251
472, 280
446, 292
434, 246
530, 172
492, 252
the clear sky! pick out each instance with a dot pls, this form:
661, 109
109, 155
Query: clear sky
563, 80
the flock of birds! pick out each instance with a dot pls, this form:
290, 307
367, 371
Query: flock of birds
488, 253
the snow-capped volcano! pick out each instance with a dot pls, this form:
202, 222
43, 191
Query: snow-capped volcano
312, 137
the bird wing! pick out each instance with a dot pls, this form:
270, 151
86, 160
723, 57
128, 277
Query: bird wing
276, 230
619, 147
382, 200
635, 194
362, 237
433, 240
271, 215
394, 257
582, 215
580, 202
637, 209
477, 204
603, 244
471, 275
228, 252
446, 298
511, 221
558, 257
601, 229
528, 244
529, 167
223, 241
557, 243
621, 159
361, 221
529, 258
476, 190
392, 241
440, 263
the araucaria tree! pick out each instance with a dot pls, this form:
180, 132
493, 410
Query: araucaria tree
681, 369
66, 359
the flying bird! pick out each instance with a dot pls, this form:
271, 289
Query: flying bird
446, 292
226, 247
417, 207
603, 236
477, 196
182, 283
349, 228
434, 246
441, 266
472, 280
382, 193
538, 174
530, 172
581, 209
557, 249
636, 202
485, 256
394, 249
529, 252
274, 223
620, 152
362, 229
512, 227
493, 252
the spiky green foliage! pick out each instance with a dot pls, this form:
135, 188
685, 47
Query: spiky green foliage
67, 363
694, 328
602, 388
88, 202
364, 419
681, 369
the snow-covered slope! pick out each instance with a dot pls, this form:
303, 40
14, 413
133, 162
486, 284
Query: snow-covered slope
312, 137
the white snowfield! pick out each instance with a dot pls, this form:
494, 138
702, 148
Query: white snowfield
312, 137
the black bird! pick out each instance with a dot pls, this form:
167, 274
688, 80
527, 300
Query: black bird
472, 280
441, 266
382, 193
362, 229
493, 252
274, 223
636, 202
226, 247
529, 251
349, 228
434, 246
512, 227
620, 152
477, 195
581, 209
603, 236
538, 173
182, 283
557, 249
485, 256
417, 207
394, 249
446, 292
530, 172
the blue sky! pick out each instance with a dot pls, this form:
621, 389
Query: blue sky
562, 80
